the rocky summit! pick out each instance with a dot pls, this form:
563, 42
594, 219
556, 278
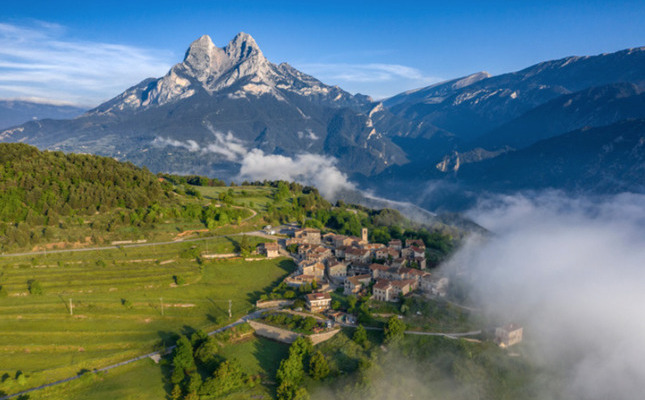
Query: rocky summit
209, 111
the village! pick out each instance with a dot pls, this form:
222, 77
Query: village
328, 263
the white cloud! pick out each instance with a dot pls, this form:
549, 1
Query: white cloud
40, 60
366, 72
225, 145
376, 79
572, 271
308, 169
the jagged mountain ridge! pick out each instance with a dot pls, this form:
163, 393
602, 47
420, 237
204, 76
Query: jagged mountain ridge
478, 107
215, 106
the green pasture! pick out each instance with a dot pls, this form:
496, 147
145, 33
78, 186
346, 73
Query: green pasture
144, 380
260, 196
117, 297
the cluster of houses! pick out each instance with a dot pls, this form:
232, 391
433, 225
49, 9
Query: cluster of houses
357, 265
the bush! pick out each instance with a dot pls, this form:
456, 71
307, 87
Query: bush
179, 280
34, 287
126, 303
3, 292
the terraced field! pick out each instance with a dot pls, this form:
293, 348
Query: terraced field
125, 302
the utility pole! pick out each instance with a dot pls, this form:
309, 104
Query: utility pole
161, 303
229, 309
71, 307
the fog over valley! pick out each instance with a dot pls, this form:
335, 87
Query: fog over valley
571, 270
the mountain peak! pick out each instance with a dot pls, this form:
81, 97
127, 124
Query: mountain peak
203, 45
242, 46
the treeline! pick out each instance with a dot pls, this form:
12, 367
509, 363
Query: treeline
195, 180
37, 186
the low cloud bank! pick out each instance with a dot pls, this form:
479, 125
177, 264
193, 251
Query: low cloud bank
572, 271
305, 168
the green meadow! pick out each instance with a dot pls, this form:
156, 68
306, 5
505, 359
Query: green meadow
146, 380
125, 302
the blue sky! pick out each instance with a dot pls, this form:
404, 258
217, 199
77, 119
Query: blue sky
88, 52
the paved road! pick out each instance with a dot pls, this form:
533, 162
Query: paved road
450, 335
245, 318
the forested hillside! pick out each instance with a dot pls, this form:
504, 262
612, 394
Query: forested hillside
37, 186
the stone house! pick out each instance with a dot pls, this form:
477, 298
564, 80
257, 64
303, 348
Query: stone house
269, 249
337, 270
354, 254
508, 335
436, 286
309, 235
383, 290
316, 269
379, 271
356, 283
395, 244
318, 302
391, 290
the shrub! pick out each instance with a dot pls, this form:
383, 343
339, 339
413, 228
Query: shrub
34, 287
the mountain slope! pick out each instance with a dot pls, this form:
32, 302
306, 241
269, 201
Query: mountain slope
213, 108
607, 159
488, 103
14, 112
597, 106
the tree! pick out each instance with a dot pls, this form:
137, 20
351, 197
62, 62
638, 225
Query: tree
360, 337
245, 247
194, 382
351, 302
176, 392
207, 350
227, 378
182, 360
318, 366
394, 330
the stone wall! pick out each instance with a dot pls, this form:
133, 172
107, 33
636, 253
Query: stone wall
287, 336
274, 333
273, 303
321, 337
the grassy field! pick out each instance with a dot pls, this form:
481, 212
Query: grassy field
256, 197
117, 306
144, 380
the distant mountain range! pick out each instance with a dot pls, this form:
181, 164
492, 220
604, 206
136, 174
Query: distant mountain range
472, 134
16, 112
